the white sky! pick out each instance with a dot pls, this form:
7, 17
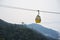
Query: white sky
17, 16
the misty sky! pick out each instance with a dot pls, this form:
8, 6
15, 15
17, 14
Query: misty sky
49, 20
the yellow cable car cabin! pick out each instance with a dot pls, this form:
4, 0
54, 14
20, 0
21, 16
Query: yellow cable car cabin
38, 19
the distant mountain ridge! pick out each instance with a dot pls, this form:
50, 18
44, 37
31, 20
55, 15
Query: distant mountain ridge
46, 31
20, 32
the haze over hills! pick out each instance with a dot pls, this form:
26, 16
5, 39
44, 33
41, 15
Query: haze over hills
44, 30
10, 31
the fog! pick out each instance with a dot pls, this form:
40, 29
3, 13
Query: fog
49, 20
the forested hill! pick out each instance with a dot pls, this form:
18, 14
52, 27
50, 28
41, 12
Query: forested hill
10, 31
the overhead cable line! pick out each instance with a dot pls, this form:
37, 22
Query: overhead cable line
28, 9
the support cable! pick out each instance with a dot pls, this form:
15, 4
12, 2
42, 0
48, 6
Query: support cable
28, 9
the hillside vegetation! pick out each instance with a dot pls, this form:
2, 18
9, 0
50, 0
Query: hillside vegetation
10, 31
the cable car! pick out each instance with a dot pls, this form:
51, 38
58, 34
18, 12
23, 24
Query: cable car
38, 18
